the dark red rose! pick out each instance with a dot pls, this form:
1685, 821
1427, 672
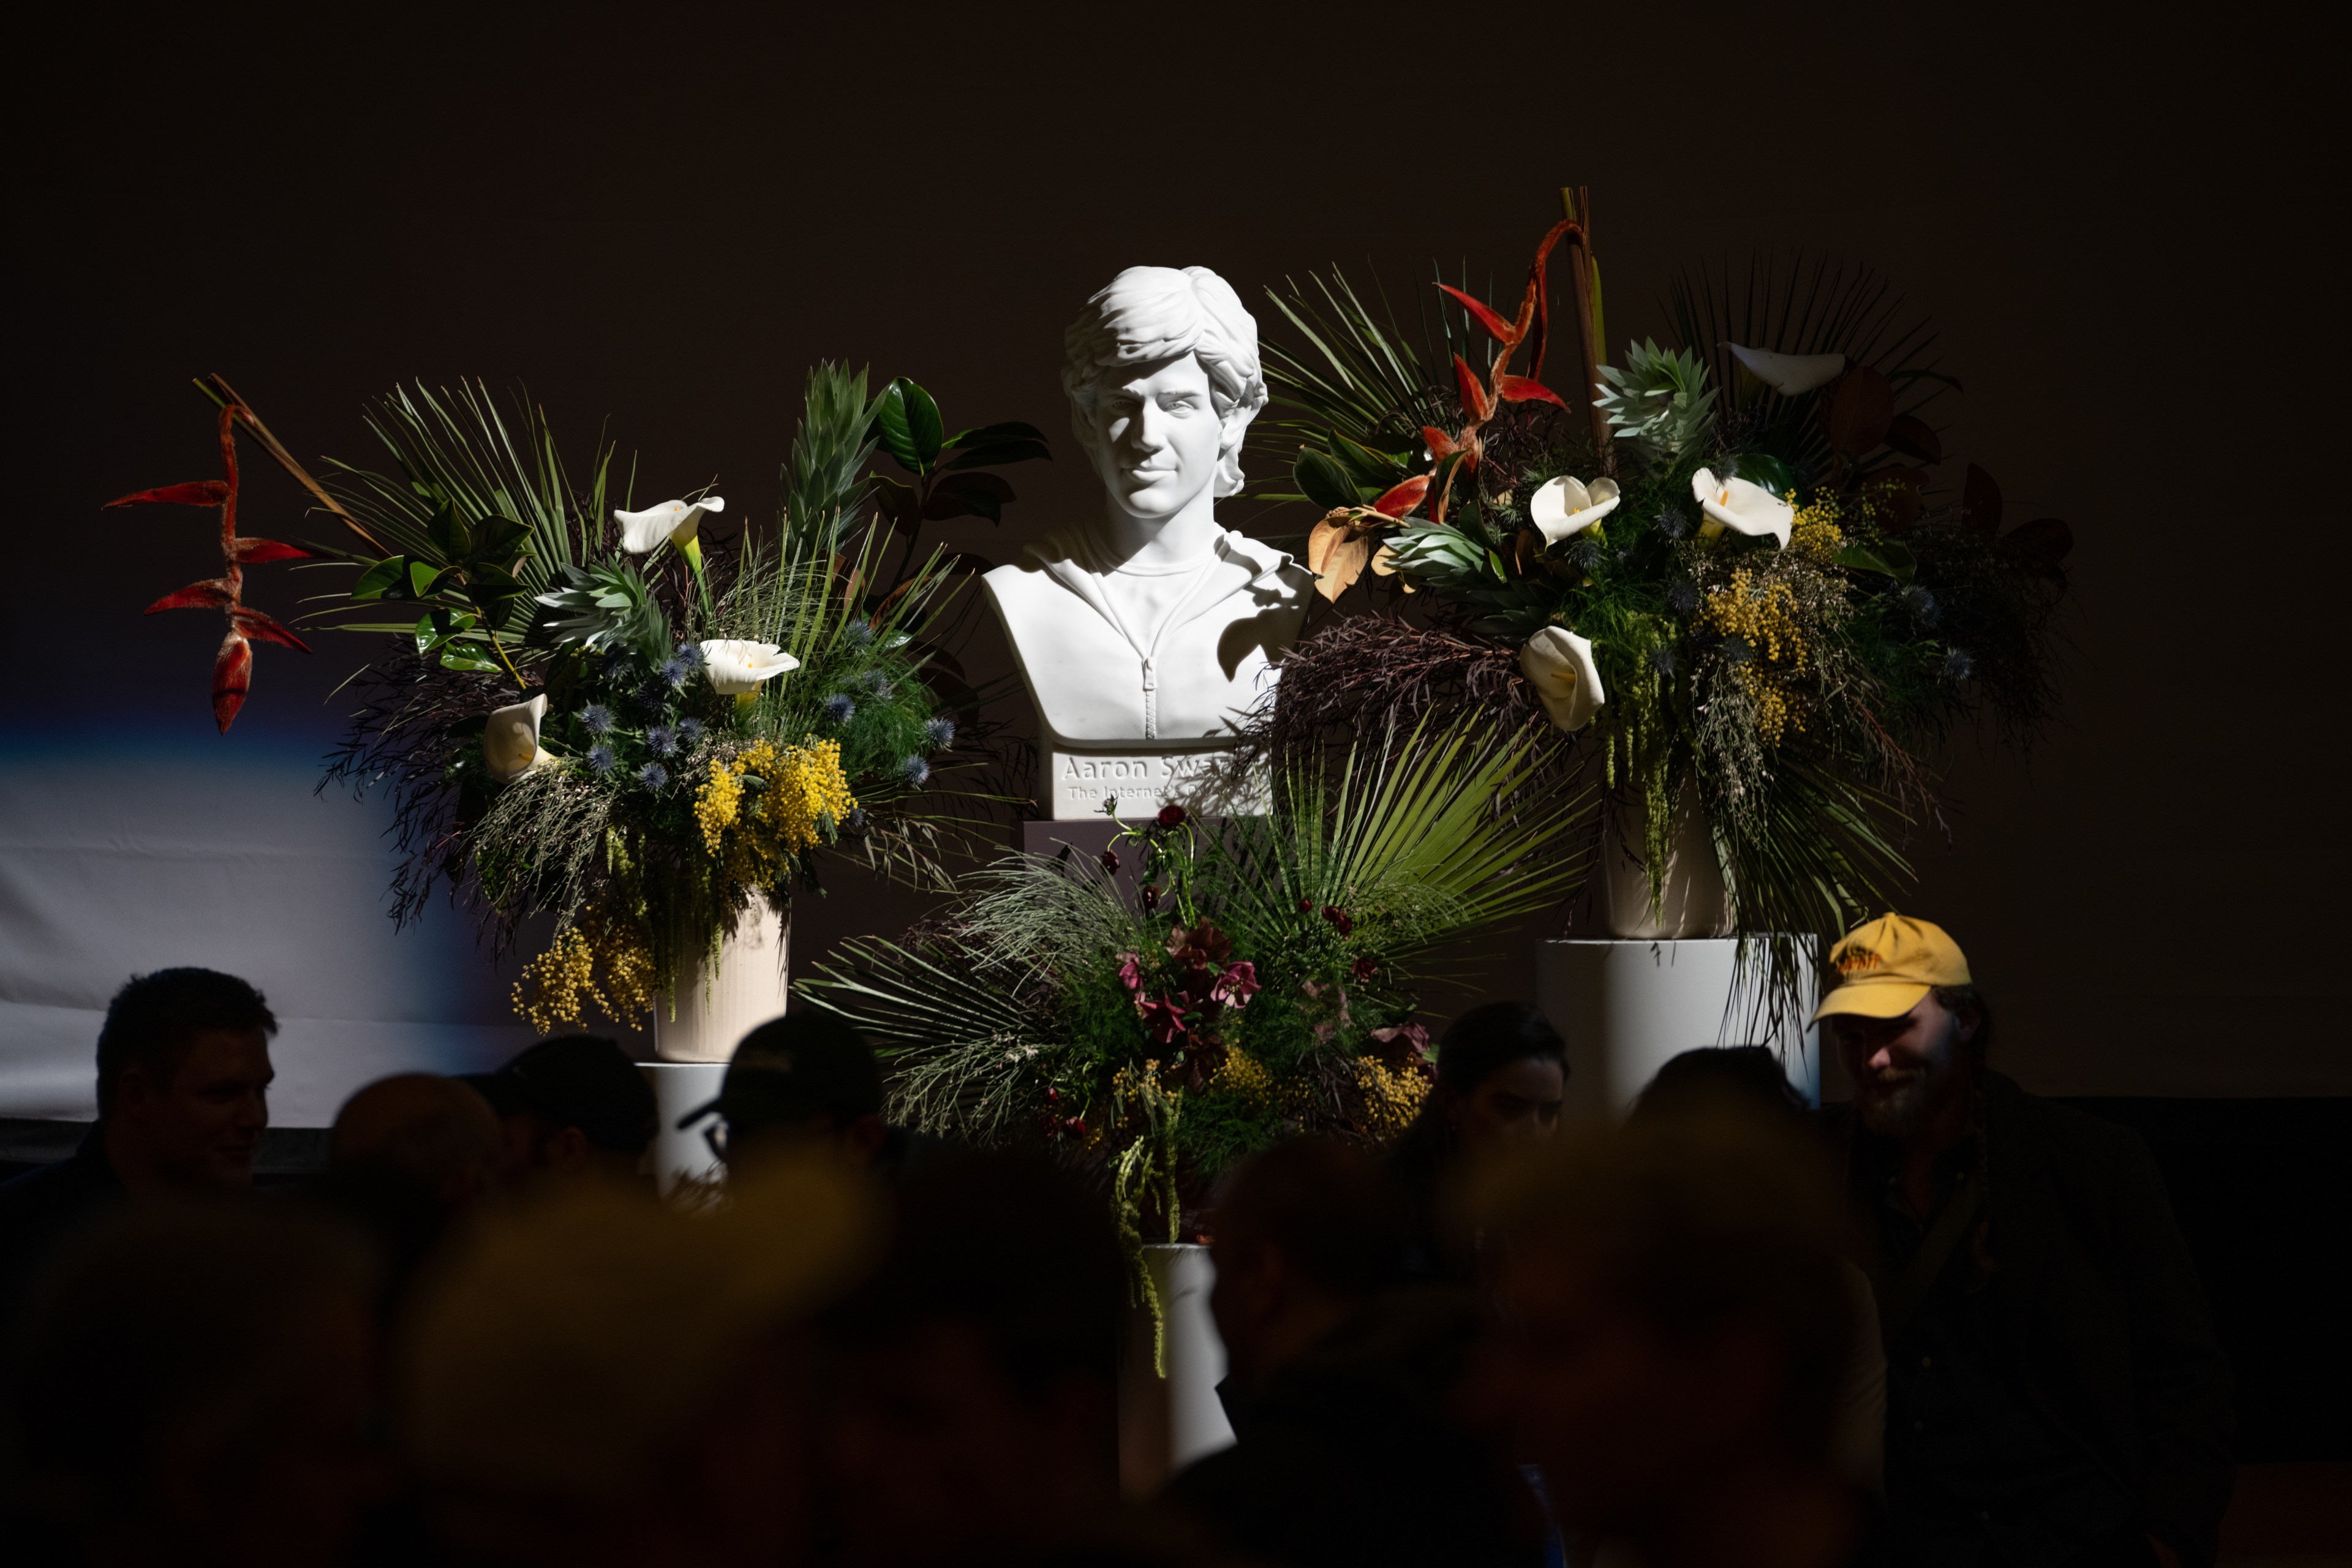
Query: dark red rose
1339, 918
1171, 816
1305, 906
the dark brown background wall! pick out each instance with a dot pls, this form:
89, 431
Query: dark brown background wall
657, 218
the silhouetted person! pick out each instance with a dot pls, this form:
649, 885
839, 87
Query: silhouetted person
196, 1385
1673, 1322
183, 1098
1336, 1380
976, 1408
806, 1081
437, 1133
1751, 1080
2054, 1393
1502, 1072
590, 1379
572, 1107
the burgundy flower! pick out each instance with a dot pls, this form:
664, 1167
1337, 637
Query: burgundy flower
1130, 970
1237, 984
1365, 969
1151, 897
1305, 906
1110, 859
1340, 917
1164, 1021
1171, 816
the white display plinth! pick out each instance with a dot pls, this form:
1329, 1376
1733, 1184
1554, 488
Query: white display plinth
1624, 1008
679, 1087
1166, 1423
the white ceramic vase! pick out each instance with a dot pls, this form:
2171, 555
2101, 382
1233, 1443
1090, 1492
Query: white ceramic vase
713, 1006
1166, 1423
1694, 903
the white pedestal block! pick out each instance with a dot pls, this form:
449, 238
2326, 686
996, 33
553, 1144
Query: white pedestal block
1624, 1008
679, 1087
1166, 1423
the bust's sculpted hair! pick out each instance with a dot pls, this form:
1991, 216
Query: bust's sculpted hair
1147, 314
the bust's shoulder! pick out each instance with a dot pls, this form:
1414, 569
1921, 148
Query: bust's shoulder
1034, 571
1272, 571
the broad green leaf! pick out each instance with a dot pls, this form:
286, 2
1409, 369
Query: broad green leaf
1765, 469
997, 453
454, 657
422, 577
1325, 483
1369, 468
450, 534
890, 425
1886, 556
923, 426
380, 578
1012, 430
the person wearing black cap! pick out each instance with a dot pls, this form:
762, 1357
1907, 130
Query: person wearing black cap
806, 1080
574, 1106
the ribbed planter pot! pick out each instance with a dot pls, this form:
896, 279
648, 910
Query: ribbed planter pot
712, 1006
1694, 904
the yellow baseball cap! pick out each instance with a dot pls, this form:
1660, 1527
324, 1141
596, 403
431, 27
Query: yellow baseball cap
1885, 965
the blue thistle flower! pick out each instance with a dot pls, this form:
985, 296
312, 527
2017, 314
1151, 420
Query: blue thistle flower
1663, 658
1921, 604
674, 672
838, 708
877, 682
855, 821
601, 759
1682, 598
941, 731
689, 653
858, 633
1674, 522
916, 771
596, 719
652, 775
689, 732
1584, 553
661, 741
1738, 649
1958, 665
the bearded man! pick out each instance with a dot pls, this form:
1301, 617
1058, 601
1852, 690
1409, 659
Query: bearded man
2054, 1394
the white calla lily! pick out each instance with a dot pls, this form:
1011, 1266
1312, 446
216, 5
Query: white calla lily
1565, 507
1560, 665
510, 746
1742, 506
736, 667
1789, 374
672, 522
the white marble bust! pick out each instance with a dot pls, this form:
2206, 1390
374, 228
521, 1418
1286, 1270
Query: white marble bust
1152, 628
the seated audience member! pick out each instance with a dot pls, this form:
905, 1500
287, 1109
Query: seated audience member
195, 1384
1333, 1377
435, 1133
1672, 1323
1501, 1075
594, 1379
182, 1097
572, 1107
2054, 1393
810, 1080
978, 1370
1751, 1079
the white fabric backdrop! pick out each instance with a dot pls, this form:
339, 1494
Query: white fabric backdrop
116, 858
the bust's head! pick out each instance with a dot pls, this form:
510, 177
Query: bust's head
1162, 371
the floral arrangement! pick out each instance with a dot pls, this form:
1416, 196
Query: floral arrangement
1733, 570
1199, 992
586, 716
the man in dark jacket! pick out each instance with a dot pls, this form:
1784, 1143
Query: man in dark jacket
1340, 1386
183, 1082
2054, 1393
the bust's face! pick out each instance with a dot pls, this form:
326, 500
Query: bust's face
1158, 435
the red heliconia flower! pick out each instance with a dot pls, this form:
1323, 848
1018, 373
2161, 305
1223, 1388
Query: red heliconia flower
1170, 816
233, 665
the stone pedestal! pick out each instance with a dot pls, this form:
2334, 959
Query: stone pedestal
1625, 1007
679, 1088
1166, 1423
1076, 782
